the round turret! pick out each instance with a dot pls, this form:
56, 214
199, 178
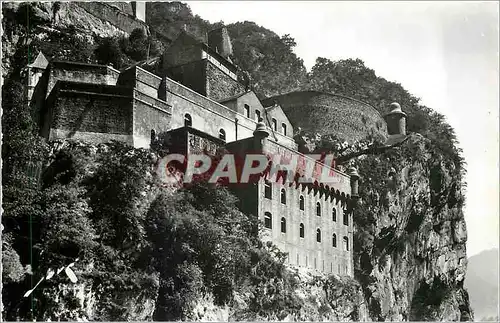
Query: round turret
261, 129
396, 120
353, 172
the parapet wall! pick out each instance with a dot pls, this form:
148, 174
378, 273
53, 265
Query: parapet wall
94, 112
116, 14
326, 113
79, 72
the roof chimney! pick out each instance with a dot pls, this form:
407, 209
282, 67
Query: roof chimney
218, 39
139, 10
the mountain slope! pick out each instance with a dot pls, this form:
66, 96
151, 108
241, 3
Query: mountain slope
482, 284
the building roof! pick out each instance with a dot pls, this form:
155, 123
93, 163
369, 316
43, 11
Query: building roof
209, 49
40, 61
234, 97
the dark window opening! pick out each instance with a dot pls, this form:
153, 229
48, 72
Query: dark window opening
188, 122
283, 196
318, 209
346, 243
318, 235
346, 218
257, 115
283, 225
153, 135
222, 134
301, 231
283, 129
247, 111
334, 215
275, 125
334, 240
301, 203
268, 190
268, 220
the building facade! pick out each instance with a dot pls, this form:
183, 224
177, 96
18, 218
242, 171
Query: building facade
200, 104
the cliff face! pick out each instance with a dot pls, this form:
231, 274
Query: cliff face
410, 234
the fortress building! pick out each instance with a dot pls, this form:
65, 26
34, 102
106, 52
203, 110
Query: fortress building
199, 102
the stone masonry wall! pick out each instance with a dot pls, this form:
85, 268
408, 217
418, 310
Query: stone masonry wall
85, 73
73, 112
348, 118
219, 85
190, 74
113, 15
207, 115
306, 251
149, 114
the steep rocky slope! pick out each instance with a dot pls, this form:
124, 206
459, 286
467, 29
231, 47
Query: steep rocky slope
410, 232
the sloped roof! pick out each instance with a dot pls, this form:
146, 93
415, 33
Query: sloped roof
40, 61
234, 97
226, 61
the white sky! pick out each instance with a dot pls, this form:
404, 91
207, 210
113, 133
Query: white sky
446, 53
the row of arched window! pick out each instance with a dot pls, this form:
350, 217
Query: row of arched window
268, 223
257, 117
188, 122
268, 194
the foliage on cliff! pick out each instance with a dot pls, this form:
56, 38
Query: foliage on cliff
351, 77
29, 31
269, 59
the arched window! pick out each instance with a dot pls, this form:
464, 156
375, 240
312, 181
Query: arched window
257, 115
283, 196
318, 209
268, 220
268, 193
275, 125
334, 215
153, 135
345, 217
283, 129
345, 241
334, 240
222, 134
188, 122
318, 235
283, 225
247, 111
301, 203
301, 230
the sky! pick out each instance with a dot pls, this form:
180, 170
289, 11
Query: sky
445, 53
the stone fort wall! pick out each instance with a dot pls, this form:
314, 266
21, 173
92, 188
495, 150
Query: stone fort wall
307, 251
345, 117
89, 112
118, 14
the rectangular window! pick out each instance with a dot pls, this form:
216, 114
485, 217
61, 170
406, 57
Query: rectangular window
275, 125
283, 129
257, 115
247, 111
268, 193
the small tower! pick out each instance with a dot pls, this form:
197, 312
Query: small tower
353, 172
261, 131
396, 120
218, 40
35, 71
139, 10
